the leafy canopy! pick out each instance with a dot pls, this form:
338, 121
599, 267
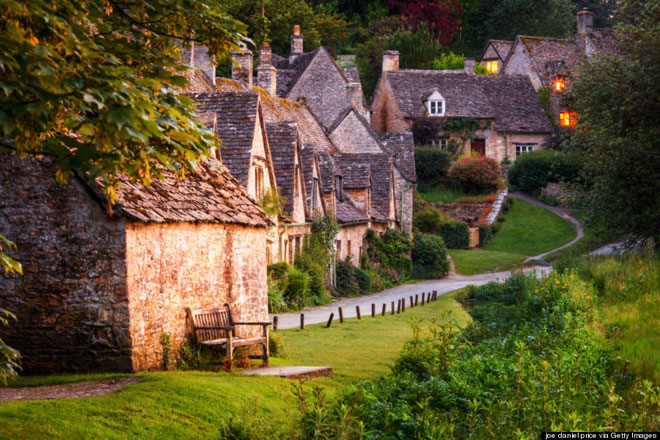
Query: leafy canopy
94, 83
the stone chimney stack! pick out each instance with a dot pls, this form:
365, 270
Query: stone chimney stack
241, 69
390, 60
585, 22
354, 95
469, 66
198, 58
296, 43
266, 72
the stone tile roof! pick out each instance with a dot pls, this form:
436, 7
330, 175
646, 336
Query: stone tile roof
283, 138
307, 157
328, 168
502, 47
288, 73
402, 147
347, 213
511, 103
381, 180
236, 122
550, 55
355, 175
210, 194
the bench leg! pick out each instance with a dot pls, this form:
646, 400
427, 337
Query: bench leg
266, 346
230, 352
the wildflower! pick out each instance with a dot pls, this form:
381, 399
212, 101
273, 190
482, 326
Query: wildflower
589, 297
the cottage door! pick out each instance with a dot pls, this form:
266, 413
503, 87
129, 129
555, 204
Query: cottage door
478, 146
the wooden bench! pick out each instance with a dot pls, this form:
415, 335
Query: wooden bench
215, 326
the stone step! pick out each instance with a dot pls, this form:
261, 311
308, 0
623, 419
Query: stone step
290, 372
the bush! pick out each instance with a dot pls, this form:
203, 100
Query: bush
456, 235
296, 288
431, 165
476, 174
363, 280
390, 253
532, 171
276, 345
430, 221
276, 302
278, 270
347, 283
484, 233
429, 257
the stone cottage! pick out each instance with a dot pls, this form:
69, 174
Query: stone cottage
495, 54
548, 62
100, 289
513, 120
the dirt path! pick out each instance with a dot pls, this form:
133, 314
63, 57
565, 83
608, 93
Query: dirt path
65, 391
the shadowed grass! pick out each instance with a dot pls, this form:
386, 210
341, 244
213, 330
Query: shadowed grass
182, 405
472, 262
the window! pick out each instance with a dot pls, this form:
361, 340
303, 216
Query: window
492, 67
442, 143
298, 245
524, 148
338, 254
315, 188
435, 104
567, 119
259, 182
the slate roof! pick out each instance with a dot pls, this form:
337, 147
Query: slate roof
347, 213
289, 73
283, 137
402, 147
381, 180
502, 47
210, 195
236, 122
355, 175
512, 103
547, 54
328, 168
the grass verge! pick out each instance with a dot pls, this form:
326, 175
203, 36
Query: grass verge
447, 195
186, 405
472, 262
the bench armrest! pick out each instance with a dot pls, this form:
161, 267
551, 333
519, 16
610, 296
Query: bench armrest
252, 323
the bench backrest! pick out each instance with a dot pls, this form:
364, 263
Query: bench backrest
214, 317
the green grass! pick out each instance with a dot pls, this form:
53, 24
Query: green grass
447, 195
209, 405
592, 240
472, 262
527, 230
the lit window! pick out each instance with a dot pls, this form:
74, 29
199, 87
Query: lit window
524, 148
568, 119
492, 67
559, 85
435, 104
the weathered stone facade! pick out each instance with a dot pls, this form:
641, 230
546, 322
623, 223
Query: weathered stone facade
350, 242
98, 291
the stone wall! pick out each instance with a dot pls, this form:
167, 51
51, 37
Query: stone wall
351, 136
355, 235
463, 212
174, 266
402, 186
520, 64
386, 117
71, 302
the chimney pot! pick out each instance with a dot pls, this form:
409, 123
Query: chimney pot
585, 22
296, 43
241, 69
296, 29
266, 72
390, 60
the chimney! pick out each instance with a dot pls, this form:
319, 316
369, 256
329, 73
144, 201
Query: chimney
390, 60
585, 22
200, 59
241, 68
354, 95
296, 43
468, 65
266, 72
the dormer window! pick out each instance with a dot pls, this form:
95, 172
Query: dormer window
492, 67
435, 104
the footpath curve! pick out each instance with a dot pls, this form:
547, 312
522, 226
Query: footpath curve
316, 315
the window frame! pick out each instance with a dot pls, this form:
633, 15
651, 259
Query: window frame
528, 147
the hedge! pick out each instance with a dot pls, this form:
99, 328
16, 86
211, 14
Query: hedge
456, 235
429, 257
431, 165
532, 171
484, 233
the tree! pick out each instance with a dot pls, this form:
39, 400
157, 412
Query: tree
441, 17
619, 127
93, 84
417, 47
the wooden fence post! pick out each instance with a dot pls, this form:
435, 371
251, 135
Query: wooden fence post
341, 315
275, 322
302, 321
373, 310
332, 315
411, 302
403, 305
357, 309
423, 295
398, 306
416, 300
384, 309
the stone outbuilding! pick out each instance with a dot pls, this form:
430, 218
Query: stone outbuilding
513, 119
101, 289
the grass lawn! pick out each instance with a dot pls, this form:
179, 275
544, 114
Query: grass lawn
527, 230
181, 404
447, 195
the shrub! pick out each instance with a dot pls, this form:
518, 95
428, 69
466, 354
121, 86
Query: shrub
484, 233
347, 283
456, 235
390, 252
278, 270
296, 288
276, 345
363, 280
476, 174
276, 302
532, 171
431, 165
430, 220
429, 257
